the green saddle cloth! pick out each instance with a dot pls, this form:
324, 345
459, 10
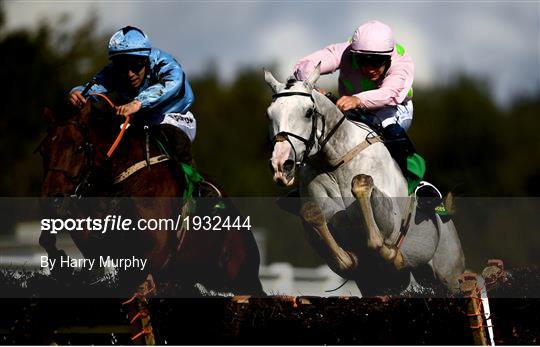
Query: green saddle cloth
416, 169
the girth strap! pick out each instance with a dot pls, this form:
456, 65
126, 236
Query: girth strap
138, 166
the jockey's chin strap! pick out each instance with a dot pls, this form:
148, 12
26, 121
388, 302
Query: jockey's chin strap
284, 135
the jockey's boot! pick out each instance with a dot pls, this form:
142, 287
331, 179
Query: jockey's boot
398, 144
401, 148
177, 143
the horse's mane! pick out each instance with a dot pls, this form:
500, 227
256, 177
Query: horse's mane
291, 81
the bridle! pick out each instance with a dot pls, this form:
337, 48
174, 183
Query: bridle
82, 180
323, 139
309, 142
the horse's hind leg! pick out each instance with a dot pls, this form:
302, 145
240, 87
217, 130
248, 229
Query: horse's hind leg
362, 189
338, 259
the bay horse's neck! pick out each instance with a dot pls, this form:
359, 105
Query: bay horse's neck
102, 132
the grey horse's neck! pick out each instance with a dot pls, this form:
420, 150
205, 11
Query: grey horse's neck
346, 136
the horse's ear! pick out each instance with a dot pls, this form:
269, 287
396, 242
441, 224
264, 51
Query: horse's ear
48, 115
271, 81
314, 76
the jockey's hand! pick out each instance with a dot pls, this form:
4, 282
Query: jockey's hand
346, 103
77, 99
129, 108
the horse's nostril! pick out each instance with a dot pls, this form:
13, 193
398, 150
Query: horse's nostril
288, 165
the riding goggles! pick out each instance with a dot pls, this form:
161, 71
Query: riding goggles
372, 60
126, 64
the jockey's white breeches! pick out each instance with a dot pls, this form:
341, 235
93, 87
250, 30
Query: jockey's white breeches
401, 114
184, 121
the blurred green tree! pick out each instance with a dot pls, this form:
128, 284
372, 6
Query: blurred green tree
38, 67
472, 146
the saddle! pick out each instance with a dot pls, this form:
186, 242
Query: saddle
360, 116
397, 142
174, 143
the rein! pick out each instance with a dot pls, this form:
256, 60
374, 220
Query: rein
310, 142
122, 130
82, 180
147, 162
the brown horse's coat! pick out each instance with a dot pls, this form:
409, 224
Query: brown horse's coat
227, 260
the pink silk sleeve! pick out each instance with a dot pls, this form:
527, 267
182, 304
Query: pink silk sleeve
330, 58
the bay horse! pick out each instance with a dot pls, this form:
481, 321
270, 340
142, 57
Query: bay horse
76, 165
354, 199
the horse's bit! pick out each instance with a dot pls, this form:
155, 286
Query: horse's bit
284, 135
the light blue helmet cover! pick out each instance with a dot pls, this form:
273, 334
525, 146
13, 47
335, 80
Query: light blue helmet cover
129, 40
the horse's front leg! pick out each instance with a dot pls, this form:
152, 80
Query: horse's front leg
339, 260
363, 188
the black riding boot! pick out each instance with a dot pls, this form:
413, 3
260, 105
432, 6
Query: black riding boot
399, 145
177, 143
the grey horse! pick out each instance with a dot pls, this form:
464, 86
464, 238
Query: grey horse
354, 196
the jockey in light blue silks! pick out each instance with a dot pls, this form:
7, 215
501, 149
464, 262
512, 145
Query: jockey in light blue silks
149, 80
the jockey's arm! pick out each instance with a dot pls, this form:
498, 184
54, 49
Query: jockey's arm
76, 97
171, 83
330, 58
392, 91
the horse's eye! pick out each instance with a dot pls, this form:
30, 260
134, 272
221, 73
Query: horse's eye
309, 113
80, 148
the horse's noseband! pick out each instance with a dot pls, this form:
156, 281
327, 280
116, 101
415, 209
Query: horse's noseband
284, 135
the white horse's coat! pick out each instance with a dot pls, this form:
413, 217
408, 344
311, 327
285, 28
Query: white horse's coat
331, 189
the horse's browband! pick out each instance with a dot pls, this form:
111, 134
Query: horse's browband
279, 95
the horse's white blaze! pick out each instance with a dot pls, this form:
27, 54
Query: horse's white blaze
281, 153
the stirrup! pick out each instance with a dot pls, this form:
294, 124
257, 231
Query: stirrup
427, 190
428, 196
207, 189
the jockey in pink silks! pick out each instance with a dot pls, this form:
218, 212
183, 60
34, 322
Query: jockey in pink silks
375, 86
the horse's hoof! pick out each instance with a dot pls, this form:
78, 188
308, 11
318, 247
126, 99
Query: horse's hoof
388, 253
399, 262
362, 185
345, 265
393, 256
